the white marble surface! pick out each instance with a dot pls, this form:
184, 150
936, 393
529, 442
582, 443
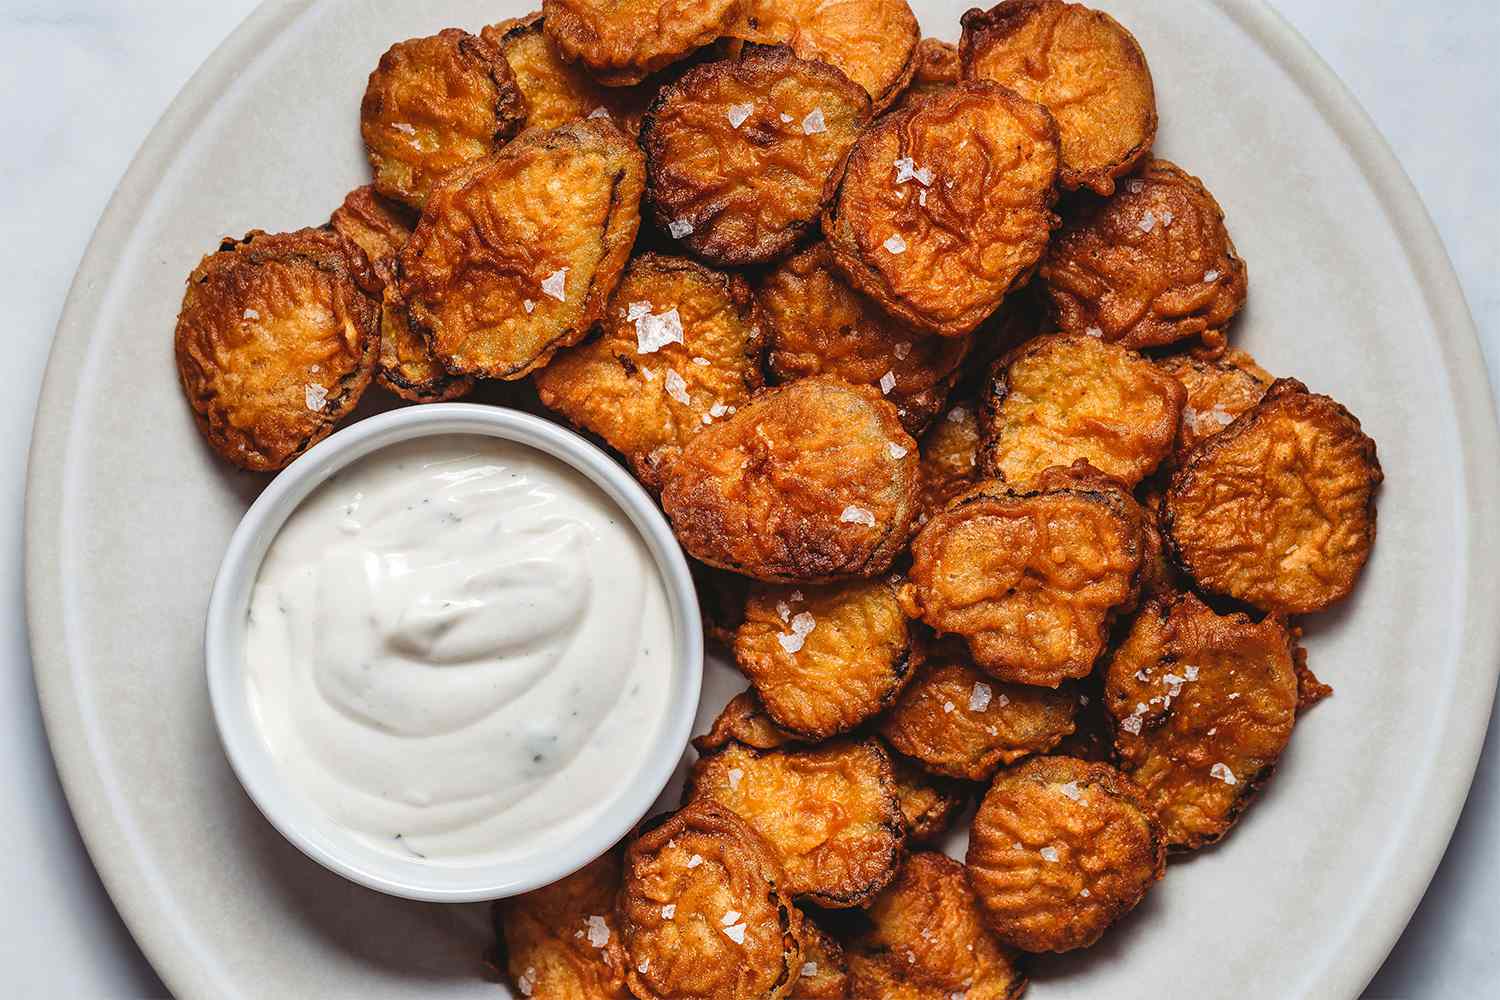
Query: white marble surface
81, 83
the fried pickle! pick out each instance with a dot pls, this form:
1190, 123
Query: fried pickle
1059, 850
1060, 398
621, 42
874, 42
1151, 265
377, 225
433, 105
1083, 67
1217, 392
1277, 509
824, 974
1029, 580
557, 91
950, 457
927, 941
704, 914
825, 658
813, 481
276, 342
517, 254
562, 942
945, 206
743, 154
819, 325
929, 802
679, 347
829, 813
937, 68
1203, 706
744, 720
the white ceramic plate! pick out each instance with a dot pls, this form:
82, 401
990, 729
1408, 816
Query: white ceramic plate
128, 515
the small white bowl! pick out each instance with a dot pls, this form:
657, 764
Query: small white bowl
299, 819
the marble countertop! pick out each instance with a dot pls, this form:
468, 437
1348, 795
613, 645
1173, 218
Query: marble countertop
83, 82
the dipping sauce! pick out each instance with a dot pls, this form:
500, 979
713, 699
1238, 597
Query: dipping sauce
460, 649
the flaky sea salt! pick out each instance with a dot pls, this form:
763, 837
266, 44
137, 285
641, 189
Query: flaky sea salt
528, 305
957, 415
809, 969
677, 387
1147, 223
737, 114
813, 123
526, 981
1070, 789
979, 697
857, 515
948, 706
669, 911
700, 362
405, 128
645, 964
922, 197
887, 382
556, 284
1094, 331
251, 314
1190, 672
1084, 893
896, 451
695, 861
315, 396
717, 410
680, 228
654, 331
1048, 853
1166, 218
783, 610
802, 624
1210, 275
1224, 774
730, 917
598, 931
599, 112
907, 170
895, 244
1136, 187
786, 117
735, 933
735, 774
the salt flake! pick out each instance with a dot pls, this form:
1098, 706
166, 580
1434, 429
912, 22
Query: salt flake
1048, 853
680, 228
735, 933
315, 396
809, 969
1223, 773
526, 981
957, 415
669, 911
813, 123
1094, 331
653, 332
1147, 223
737, 114
528, 305
979, 697
677, 387
645, 964
895, 244
735, 774
251, 314
598, 931
887, 382
896, 451
948, 706
907, 170
556, 284
857, 515
695, 861
599, 112
730, 917
1210, 275
1070, 789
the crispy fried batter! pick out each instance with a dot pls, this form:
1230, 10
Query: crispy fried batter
742, 155
1203, 706
874, 42
824, 973
825, 658
944, 253
1081, 65
829, 813
562, 942
517, 255
958, 721
1149, 266
937, 68
378, 226
813, 481
704, 914
276, 342
1064, 397
556, 91
1217, 392
1029, 580
622, 42
927, 941
928, 802
433, 105
1059, 850
950, 457
647, 398
1310, 690
1277, 509
821, 325
744, 720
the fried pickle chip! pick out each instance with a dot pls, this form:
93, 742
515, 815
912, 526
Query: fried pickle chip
1060, 398
927, 940
1083, 67
819, 325
562, 942
825, 973
433, 105
622, 42
1029, 580
276, 342
929, 803
378, 226
813, 481
704, 914
825, 658
1277, 509
1217, 392
945, 206
1203, 706
743, 154
1059, 850
829, 813
557, 91
957, 721
679, 347
1149, 266
517, 254
874, 42
937, 68
950, 457
744, 720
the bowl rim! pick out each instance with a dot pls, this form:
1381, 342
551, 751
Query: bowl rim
295, 816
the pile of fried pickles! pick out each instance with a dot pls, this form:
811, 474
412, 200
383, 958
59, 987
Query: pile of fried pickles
927, 360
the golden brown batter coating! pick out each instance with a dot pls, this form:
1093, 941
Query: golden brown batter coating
1151, 265
929, 803
945, 206
557, 91
829, 813
1062, 398
937, 68
744, 720
819, 325
1203, 706
824, 974
1277, 509
703, 913
1217, 392
825, 658
1059, 850
950, 456
276, 342
378, 226
679, 347
813, 481
517, 254
742, 155
622, 42
1029, 580
433, 105
562, 942
1083, 67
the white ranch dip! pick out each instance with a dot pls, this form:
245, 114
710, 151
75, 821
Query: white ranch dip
459, 648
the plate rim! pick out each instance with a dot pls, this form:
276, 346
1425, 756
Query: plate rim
188, 971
